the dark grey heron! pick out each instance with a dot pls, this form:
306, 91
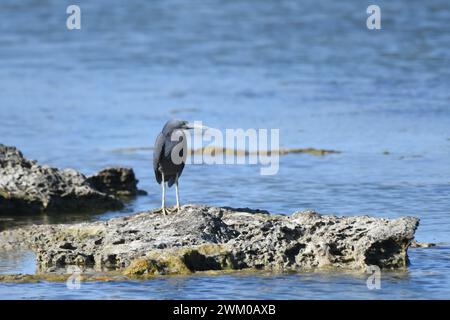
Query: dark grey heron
169, 156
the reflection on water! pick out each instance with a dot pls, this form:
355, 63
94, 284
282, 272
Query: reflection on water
306, 285
17, 262
309, 68
11, 221
8, 221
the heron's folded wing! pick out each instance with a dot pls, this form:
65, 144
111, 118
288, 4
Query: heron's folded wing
158, 150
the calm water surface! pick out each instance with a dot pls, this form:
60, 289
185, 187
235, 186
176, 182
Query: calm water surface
82, 99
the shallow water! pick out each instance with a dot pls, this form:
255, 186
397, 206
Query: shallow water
419, 282
80, 98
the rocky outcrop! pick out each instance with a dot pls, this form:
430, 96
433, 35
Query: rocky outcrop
116, 181
200, 238
28, 188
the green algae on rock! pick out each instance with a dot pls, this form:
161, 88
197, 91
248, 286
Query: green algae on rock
57, 277
182, 261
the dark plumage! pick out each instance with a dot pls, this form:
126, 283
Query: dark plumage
164, 146
169, 155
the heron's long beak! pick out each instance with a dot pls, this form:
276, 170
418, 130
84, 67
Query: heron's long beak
196, 125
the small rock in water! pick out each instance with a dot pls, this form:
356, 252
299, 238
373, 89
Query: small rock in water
116, 181
416, 244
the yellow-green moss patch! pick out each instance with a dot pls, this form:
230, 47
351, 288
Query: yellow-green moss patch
181, 261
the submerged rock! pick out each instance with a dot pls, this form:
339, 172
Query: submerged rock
201, 238
28, 188
214, 150
415, 244
57, 277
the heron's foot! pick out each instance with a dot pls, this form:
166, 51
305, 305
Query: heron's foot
172, 209
163, 211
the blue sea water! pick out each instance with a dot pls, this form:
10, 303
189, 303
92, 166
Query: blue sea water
85, 98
